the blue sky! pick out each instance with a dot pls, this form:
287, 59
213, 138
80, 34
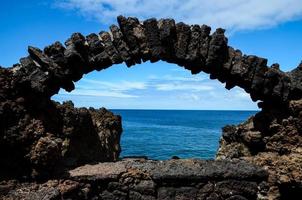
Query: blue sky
270, 29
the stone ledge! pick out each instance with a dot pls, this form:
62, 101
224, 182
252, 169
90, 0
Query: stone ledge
148, 179
177, 170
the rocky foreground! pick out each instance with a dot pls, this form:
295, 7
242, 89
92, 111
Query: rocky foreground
45, 146
146, 179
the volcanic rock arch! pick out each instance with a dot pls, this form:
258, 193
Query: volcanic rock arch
192, 47
42, 136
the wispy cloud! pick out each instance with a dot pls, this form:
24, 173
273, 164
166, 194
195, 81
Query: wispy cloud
190, 97
116, 86
165, 83
167, 91
231, 14
182, 86
195, 83
115, 89
168, 77
126, 88
98, 93
241, 94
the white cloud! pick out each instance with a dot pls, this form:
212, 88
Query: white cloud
166, 91
241, 94
125, 89
233, 15
191, 83
190, 97
192, 78
183, 86
116, 86
116, 89
98, 93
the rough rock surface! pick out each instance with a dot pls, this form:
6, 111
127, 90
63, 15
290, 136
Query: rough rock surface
145, 179
39, 138
271, 139
46, 140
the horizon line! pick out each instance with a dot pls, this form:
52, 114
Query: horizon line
172, 109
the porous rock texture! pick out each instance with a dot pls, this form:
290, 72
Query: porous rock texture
40, 140
271, 139
146, 179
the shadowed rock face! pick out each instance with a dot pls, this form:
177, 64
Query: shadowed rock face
40, 141
271, 139
39, 138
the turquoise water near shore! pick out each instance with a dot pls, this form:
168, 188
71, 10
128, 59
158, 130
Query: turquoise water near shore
161, 134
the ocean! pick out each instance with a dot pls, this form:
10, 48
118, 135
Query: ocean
161, 134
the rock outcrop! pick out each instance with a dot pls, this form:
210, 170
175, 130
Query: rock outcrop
45, 140
40, 139
271, 139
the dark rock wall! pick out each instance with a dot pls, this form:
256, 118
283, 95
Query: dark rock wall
44, 140
38, 137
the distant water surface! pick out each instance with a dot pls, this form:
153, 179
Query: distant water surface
161, 134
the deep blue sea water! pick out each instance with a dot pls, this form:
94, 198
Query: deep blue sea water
161, 134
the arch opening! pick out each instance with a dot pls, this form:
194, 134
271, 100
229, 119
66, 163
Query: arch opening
160, 103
